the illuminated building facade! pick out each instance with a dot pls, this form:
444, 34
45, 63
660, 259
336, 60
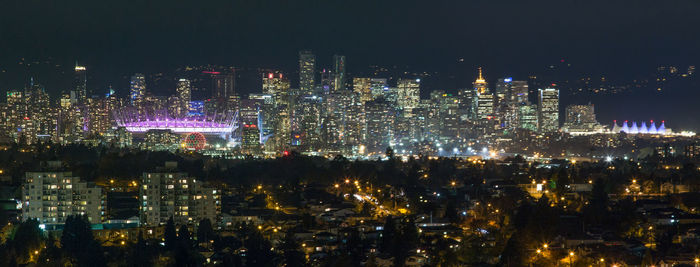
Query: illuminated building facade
339, 82
408, 95
137, 87
52, 194
548, 112
307, 72
363, 87
167, 193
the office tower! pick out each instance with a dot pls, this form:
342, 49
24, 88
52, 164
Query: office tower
223, 85
480, 85
483, 99
307, 121
248, 111
380, 125
466, 98
581, 119
339, 72
354, 120
379, 87
519, 91
408, 94
138, 89
363, 88
184, 96
80, 83
52, 194
446, 117
527, 117
548, 113
99, 114
168, 193
39, 122
274, 83
503, 89
307, 72
277, 112
326, 85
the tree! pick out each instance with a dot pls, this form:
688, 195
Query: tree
514, 252
205, 232
597, 210
290, 249
27, 239
184, 237
51, 255
78, 244
170, 235
259, 250
386, 244
139, 253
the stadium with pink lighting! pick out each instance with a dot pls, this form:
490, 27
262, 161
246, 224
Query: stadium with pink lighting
210, 124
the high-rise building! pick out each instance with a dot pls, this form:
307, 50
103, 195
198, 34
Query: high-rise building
80, 82
52, 194
548, 112
223, 85
503, 88
519, 91
339, 72
137, 89
408, 95
326, 86
581, 119
484, 100
363, 88
379, 88
184, 95
527, 117
480, 85
307, 72
274, 83
380, 125
168, 193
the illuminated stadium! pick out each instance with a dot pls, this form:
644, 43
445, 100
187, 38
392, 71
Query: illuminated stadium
209, 124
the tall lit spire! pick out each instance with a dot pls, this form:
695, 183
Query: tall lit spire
481, 77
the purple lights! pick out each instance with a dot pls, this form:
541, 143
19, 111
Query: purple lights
208, 124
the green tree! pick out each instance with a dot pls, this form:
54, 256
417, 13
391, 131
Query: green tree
388, 237
170, 235
290, 249
27, 239
78, 243
205, 232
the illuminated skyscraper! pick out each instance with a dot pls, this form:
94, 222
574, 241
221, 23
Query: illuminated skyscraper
223, 85
548, 113
484, 100
307, 72
519, 93
527, 117
363, 88
184, 95
138, 89
379, 88
339, 72
380, 125
408, 95
80, 82
274, 83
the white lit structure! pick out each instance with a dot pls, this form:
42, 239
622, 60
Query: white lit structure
52, 195
169, 193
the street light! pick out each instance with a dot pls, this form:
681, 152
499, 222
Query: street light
571, 258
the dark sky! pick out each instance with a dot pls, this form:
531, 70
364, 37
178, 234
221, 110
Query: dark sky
507, 37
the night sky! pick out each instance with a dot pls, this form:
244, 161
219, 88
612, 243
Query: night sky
620, 39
